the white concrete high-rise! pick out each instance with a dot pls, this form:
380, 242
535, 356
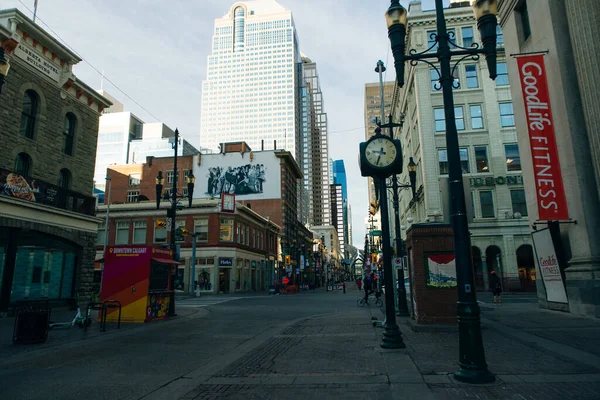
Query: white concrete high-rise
253, 77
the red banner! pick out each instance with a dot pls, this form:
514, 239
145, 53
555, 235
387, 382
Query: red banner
550, 193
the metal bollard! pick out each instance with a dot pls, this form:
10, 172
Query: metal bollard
344, 285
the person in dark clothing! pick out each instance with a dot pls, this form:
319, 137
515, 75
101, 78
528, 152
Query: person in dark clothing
496, 287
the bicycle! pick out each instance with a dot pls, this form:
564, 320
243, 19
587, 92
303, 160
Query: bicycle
362, 301
79, 320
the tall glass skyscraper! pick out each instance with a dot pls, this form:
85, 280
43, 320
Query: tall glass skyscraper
253, 79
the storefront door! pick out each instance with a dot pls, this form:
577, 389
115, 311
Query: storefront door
224, 279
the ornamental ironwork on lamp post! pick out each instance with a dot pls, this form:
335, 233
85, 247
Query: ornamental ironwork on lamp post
472, 363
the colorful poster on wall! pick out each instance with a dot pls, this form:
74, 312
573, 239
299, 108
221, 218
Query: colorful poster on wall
158, 306
440, 270
548, 265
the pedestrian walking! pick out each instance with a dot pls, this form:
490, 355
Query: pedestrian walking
359, 283
496, 286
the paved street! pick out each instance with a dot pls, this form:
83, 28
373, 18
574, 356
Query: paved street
309, 345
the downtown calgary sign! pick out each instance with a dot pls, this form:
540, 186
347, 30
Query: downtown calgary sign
550, 193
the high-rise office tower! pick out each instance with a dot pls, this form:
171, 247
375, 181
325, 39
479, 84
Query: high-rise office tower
339, 178
337, 216
314, 152
253, 78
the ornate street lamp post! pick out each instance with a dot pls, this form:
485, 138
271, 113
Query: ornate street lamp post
472, 363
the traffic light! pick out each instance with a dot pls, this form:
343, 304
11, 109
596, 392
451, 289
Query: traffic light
160, 224
374, 258
288, 259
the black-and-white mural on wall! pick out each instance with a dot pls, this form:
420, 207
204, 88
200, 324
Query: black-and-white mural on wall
241, 180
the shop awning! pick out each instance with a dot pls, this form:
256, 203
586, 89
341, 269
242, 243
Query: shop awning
166, 261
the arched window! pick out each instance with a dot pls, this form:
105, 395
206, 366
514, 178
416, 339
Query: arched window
69, 133
23, 164
64, 180
29, 113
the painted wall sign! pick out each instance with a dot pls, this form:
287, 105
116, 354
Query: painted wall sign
548, 265
498, 180
441, 270
37, 61
550, 193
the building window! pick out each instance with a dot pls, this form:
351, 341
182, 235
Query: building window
507, 116
160, 233
502, 78
513, 159
23, 164
443, 161
247, 235
132, 196
134, 179
524, 21
519, 204
486, 199
28, 114
179, 224
435, 79
64, 179
431, 40
69, 133
459, 117
467, 36
170, 175
471, 73
499, 36
440, 120
101, 233
201, 229
122, 232
481, 159
139, 232
226, 230
476, 116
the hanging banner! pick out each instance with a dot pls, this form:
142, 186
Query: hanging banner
550, 193
548, 265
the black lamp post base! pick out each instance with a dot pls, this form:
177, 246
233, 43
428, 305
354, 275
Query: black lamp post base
479, 375
392, 338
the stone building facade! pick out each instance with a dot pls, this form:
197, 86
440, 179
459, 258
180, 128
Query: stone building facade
49, 128
566, 31
494, 182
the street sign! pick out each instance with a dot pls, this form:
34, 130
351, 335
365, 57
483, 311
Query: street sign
376, 233
397, 262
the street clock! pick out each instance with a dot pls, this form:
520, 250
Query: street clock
380, 156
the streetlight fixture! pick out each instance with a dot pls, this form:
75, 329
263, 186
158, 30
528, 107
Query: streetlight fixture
191, 180
472, 363
4, 67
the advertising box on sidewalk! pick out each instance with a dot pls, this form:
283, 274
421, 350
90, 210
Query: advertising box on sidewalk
140, 278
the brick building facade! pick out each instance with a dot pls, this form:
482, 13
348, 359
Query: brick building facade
234, 251
49, 127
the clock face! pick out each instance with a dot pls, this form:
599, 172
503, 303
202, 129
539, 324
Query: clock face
228, 202
381, 152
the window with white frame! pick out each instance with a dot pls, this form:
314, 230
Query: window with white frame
507, 115
122, 232
435, 78
160, 234
476, 116
201, 229
134, 179
170, 176
502, 71
481, 159
513, 159
139, 232
486, 199
101, 233
132, 196
443, 161
519, 204
459, 117
467, 36
471, 74
440, 119
247, 235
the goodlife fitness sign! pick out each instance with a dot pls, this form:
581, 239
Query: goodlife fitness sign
550, 193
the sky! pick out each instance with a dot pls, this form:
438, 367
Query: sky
156, 51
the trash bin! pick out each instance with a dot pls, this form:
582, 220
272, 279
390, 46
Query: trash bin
31, 323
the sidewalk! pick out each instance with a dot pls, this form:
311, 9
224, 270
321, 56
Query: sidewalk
62, 336
338, 356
